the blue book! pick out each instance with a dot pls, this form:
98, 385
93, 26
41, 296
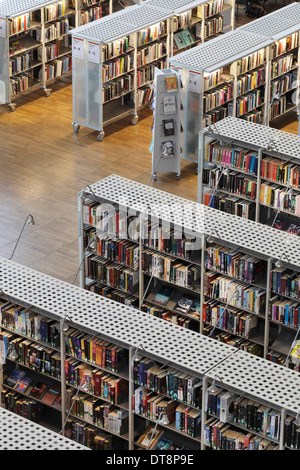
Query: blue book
15, 377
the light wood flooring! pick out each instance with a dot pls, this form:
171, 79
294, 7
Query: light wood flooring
43, 166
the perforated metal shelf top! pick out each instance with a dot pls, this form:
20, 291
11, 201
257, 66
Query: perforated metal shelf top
259, 136
178, 346
121, 23
176, 6
12, 8
277, 24
259, 239
220, 51
18, 433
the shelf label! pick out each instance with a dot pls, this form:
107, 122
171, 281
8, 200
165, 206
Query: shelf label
195, 82
78, 48
94, 52
2, 28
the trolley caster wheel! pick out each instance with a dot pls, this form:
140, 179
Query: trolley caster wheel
134, 121
12, 107
47, 92
76, 128
154, 177
178, 177
100, 136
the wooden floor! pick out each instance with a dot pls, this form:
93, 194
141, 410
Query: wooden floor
44, 165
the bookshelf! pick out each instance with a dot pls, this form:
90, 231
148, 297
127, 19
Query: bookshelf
199, 300
119, 55
35, 44
251, 73
203, 359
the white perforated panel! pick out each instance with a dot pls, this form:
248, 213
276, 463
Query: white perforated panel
220, 51
122, 23
177, 6
11, 8
116, 321
17, 433
261, 240
277, 24
266, 381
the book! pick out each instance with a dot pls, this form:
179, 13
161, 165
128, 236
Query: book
169, 105
38, 390
171, 83
169, 126
23, 384
163, 295
14, 378
184, 304
150, 437
51, 394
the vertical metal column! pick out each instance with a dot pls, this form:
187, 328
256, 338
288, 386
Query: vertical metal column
81, 244
63, 376
267, 323
281, 435
204, 386
258, 184
203, 248
130, 394
201, 153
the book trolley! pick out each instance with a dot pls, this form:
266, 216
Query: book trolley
114, 59
208, 361
251, 73
35, 45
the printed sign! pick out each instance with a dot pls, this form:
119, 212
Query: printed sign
94, 52
195, 82
78, 48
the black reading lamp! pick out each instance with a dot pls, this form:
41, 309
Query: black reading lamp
30, 221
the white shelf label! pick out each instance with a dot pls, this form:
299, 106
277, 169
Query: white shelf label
94, 52
78, 48
195, 82
2, 27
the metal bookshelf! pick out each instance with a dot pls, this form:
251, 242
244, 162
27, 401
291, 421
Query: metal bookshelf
210, 227
30, 39
221, 55
187, 351
89, 106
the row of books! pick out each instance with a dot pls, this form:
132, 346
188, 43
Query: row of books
214, 116
213, 26
35, 356
152, 33
279, 106
280, 171
19, 24
276, 196
52, 51
87, 435
100, 384
284, 311
234, 182
21, 83
57, 68
53, 31
117, 67
223, 436
143, 96
254, 116
230, 204
168, 381
235, 341
28, 323
145, 75
112, 274
251, 80
243, 159
212, 8
100, 414
49, 394
217, 97
149, 54
22, 406
232, 263
216, 78
54, 11
285, 282
284, 84
186, 304
283, 65
236, 293
281, 359
230, 319
120, 251
249, 102
92, 14
183, 20
20, 63
170, 269
285, 45
111, 293
117, 88
244, 65
116, 48
96, 351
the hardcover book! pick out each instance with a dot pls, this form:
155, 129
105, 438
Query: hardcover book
23, 384
163, 295
184, 304
38, 389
